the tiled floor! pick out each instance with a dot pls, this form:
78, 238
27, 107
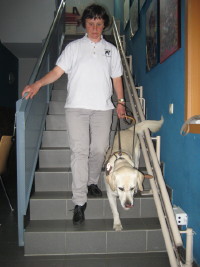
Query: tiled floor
13, 256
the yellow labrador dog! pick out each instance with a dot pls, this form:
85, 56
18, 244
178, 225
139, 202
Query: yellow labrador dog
122, 177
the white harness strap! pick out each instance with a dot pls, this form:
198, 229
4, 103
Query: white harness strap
114, 157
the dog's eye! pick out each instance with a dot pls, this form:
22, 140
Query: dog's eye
132, 188
121, 188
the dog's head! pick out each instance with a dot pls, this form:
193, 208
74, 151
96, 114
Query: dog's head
125, 181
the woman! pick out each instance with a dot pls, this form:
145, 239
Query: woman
92, 65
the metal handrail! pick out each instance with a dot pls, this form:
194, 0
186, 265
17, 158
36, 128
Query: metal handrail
164, 208
30, 119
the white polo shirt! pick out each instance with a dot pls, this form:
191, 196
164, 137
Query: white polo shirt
90, 67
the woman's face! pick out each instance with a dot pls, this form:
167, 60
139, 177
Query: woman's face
94, 29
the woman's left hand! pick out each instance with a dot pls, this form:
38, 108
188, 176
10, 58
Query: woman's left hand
121, 112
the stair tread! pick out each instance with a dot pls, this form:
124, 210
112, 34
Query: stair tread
47, 131
129, 224
61, 130
58, 101
54, 148
68, 169
68, 195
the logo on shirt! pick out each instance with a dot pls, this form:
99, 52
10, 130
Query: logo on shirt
107, 53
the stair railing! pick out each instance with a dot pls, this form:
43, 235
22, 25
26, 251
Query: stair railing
171, 234
30, 118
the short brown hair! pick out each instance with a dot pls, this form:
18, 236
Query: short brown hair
95, 12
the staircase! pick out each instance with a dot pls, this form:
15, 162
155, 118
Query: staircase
50, 230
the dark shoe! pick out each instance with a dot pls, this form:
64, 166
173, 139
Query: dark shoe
94, 191
79, 216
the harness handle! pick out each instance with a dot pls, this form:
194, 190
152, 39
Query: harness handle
119, 139
128, 116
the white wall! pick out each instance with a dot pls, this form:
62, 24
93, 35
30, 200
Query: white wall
25, 21
28, 21
82, 4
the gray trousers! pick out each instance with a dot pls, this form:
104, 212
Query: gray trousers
89, 132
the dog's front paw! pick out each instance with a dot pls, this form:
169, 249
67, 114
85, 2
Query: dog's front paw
117, 227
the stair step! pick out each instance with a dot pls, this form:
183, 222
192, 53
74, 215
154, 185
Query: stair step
58, 157
61, 83
54, 158
60, 179
52, 139
59, 205
59, 95
148, 259
93, 237
57, 122
57, 107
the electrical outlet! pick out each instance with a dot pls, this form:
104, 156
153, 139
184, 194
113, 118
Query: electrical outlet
171, 108
180, 215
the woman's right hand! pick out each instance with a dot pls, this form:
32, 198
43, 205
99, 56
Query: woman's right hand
31, 90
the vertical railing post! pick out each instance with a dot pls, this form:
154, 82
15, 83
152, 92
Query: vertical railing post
189, 247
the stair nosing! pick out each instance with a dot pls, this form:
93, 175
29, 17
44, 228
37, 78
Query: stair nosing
141, 224
54, 148
66, 195
68, 169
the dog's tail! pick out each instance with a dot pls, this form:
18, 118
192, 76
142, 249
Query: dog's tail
152, 125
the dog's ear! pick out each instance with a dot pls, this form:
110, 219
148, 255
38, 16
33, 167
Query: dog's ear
111, 181
140, 180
